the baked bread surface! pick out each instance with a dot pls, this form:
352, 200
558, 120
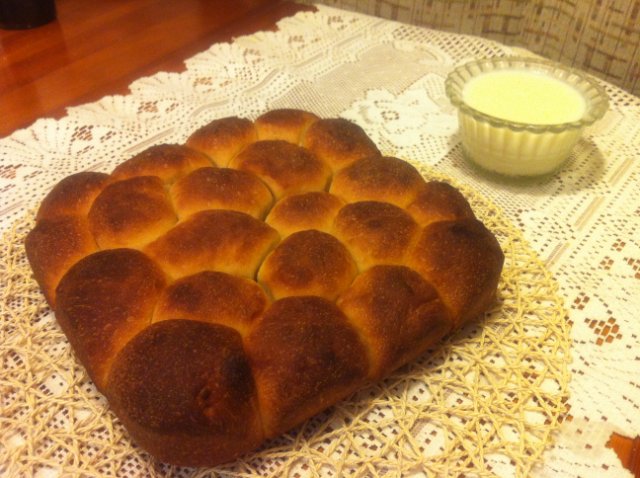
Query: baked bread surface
223, 291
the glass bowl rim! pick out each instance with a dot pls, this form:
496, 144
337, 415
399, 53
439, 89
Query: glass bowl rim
595, 95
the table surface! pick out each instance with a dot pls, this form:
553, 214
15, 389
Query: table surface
95, 49
98, 48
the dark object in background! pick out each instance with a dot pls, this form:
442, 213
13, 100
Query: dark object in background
22, 14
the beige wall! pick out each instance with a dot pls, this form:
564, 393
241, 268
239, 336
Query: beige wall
599, 36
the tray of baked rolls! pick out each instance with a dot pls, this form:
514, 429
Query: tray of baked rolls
279, 297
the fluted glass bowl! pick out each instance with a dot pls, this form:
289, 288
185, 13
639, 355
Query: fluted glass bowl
514, 148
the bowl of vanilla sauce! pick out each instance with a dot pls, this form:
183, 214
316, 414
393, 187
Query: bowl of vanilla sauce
522, 116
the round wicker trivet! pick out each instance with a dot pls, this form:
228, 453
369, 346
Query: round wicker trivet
484, 403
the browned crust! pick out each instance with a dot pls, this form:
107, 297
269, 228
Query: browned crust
223, 138
226, 241
314, 210
53, 246
439, 201
338, 142
103, 302
73, 195
185, 392
285, 124
284, 167
397, 313
131, 213
378, 179
375, 232
213, 297
168, 162
465, 272
305, 356
308, 263
221, 188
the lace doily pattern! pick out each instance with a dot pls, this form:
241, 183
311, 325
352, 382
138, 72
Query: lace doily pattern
596, 33
477, 405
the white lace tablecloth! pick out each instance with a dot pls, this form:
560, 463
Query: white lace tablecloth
584, 223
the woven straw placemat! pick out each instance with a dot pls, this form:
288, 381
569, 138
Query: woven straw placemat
483, 403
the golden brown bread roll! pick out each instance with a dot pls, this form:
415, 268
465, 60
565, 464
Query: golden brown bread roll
338, 142
285, 124
222, 139
284, 167
375, 232
221, 188
185, 390
131, 212
167, 162
103, 301
308, 263
221, 292
299, 212
212, 296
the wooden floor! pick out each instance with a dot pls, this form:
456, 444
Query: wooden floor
96, 48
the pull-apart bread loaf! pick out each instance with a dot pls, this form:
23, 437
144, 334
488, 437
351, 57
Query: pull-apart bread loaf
223, 291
